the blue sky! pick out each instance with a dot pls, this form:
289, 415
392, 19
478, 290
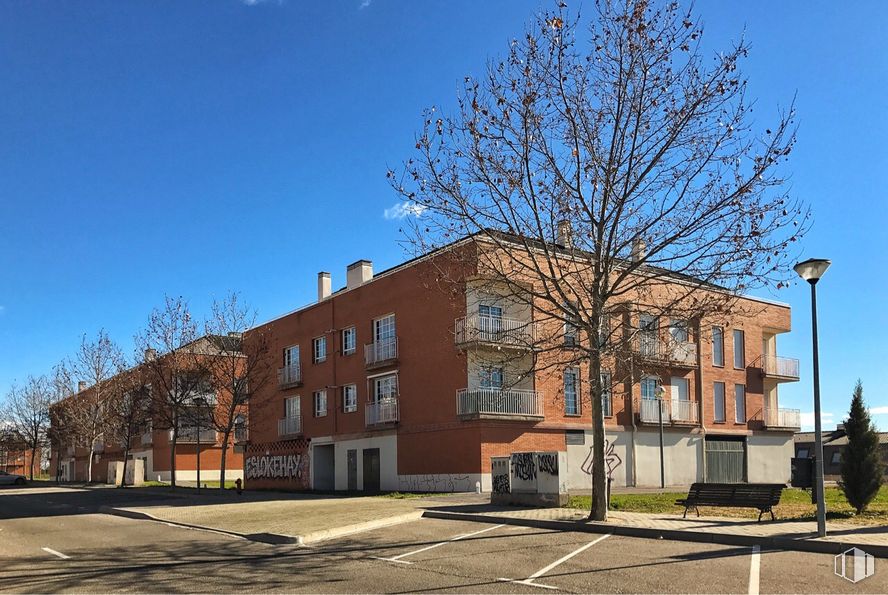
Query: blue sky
192, 147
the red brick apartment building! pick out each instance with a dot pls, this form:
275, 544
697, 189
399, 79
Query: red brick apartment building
15, 457
153, 446
397, 383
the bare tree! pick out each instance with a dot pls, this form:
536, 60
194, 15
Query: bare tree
93, 367
237, 369
172, 366
29, 414
130, 409
604, 170
61, 428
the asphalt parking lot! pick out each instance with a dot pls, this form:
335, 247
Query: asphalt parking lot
61, 544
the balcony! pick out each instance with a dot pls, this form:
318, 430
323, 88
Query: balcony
385, 411
290, 426
675, 411
485, 403
781, 369
147, 438
290, 376
381, 353
495, 331
677, 354
775, 418
190, 435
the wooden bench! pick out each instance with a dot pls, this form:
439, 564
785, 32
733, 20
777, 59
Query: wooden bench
733, 495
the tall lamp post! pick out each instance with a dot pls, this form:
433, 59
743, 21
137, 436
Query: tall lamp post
811, 271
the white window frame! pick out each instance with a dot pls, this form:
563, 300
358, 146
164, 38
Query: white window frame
739, 350
319, 398
649, 381
384, 328
571, 328
740, 399
575, 400
491, 377
719, 400
289, 359
349, 340
319, 349
679, 330
390, 382
292, 407
350, 398
718, 346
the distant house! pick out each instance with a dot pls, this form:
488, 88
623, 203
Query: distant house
834, 443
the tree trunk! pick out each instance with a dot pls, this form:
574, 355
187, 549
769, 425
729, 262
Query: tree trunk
599, 468
224, 457
173, 459
33, 456
89, 465
126, 451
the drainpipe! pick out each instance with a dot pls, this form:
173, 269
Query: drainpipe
699, 392
632, 417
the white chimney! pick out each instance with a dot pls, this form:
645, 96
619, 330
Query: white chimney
564, 233
150, 354
324, 286
81, 386
358, 273
639, 249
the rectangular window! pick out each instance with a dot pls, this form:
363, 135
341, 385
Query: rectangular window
319, 350
570, 325
571, 394
606, 400
320, 403
291, 407
490, 377
678, 330
349, 398
836, 457
384, 328
739, 403
349, 340
718, 346
803, 453
739, 350
649, 388
385, 388
647, 335
291, 356
718, 397
604, 331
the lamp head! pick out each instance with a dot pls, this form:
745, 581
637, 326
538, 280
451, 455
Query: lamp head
812, 269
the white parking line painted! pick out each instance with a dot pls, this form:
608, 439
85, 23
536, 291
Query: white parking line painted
55, 553
433, 546
754, 570
529, 580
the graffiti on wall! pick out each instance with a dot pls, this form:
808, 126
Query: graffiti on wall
548, 463
500, 471
523, 466
274, 467
611, 459
437, 482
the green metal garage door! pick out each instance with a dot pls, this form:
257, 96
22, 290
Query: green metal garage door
725, 460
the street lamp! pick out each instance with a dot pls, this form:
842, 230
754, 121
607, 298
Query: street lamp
811, 271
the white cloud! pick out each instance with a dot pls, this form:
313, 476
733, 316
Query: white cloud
879, 410
827, 420
404, 209
365, 4
256, 2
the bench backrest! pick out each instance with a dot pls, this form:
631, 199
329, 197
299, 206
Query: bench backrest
736, 493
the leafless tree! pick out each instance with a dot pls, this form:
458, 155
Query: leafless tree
29, 414
95, 364
61, 428
172, 365
130, 410
605, 167
237, 369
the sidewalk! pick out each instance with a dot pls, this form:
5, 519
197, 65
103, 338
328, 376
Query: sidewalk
794, 535
292, 518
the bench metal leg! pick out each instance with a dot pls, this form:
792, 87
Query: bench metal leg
698, 511
685, 515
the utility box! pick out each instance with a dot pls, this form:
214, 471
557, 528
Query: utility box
135, 472
534, 479
802, 472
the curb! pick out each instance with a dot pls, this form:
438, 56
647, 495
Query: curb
274, 538
361, 527
779, 543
